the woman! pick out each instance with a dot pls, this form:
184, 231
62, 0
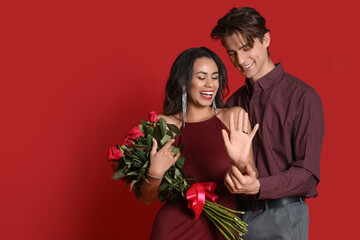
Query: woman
193, 92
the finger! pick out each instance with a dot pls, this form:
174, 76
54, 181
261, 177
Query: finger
237, 185
240, 121
228, 183
232, 126
250, 171
168, 144
253, 132
246, 121
176, 157
226, 137
237, 175
154, 147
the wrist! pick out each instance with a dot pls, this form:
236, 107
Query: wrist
155, 177
154, 174
241, 165
257, 188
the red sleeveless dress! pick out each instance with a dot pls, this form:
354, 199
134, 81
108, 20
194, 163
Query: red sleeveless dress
206, 160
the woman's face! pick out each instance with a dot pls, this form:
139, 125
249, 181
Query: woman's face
204, 82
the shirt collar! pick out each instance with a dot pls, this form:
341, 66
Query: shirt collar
268, 80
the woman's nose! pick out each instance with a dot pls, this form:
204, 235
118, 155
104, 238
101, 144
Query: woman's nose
209, 82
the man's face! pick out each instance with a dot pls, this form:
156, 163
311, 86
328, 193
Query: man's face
253, 62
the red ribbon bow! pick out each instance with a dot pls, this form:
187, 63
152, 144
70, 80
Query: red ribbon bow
197, 194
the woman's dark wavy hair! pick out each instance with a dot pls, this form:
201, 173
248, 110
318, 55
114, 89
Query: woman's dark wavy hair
244, 20
181, 74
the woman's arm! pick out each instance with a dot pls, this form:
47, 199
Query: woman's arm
160, 162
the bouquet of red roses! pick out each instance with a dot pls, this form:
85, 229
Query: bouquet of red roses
131, 162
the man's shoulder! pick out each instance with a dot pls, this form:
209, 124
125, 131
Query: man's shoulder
298, 87
236, 97
300, 93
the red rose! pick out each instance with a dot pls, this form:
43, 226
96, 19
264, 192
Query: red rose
115, 153
129, 141
153, 117
135, 133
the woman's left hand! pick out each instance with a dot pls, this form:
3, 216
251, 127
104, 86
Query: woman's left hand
239, 143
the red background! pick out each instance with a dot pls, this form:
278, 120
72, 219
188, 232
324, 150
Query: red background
77, 75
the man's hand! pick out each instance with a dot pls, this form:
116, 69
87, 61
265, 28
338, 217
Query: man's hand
237, 182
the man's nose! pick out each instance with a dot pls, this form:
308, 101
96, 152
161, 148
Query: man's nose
240, 59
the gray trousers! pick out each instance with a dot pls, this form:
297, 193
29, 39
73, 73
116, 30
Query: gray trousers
285, 223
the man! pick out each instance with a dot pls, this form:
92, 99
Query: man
287, 146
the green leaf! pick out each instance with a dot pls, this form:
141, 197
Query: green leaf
170, 134
145, 123
165, 139
182, 188
162, 124
117, 175
157, 133
162, 196
132, 173
137, 164
149, 140
142, 155
174, 129
132, 183
141, 147
137, 192
141, 128
175, 150
163, 187
177, 174
123, 147
149, 130
145, 179
144, 167
180, 162
168, 178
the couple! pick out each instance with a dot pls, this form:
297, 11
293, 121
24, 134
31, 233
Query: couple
267, 171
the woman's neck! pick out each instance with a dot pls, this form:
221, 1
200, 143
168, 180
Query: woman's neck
198, 114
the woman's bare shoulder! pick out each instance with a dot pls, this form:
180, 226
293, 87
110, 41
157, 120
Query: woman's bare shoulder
171, 119
225, 112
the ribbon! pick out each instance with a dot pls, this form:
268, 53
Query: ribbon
198, 193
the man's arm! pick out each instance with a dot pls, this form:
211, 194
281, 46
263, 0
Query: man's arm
303, 175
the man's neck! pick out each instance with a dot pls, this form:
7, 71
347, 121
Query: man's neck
267, 68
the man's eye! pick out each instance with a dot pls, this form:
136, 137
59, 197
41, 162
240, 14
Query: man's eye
231, 53
247, 48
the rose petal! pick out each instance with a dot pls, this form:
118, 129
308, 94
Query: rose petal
115, 153
153, 117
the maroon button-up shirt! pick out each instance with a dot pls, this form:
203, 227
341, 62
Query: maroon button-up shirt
288, 143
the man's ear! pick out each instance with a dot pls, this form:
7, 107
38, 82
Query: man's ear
266, 39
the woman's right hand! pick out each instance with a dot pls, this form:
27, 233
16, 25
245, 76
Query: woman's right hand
162, 160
